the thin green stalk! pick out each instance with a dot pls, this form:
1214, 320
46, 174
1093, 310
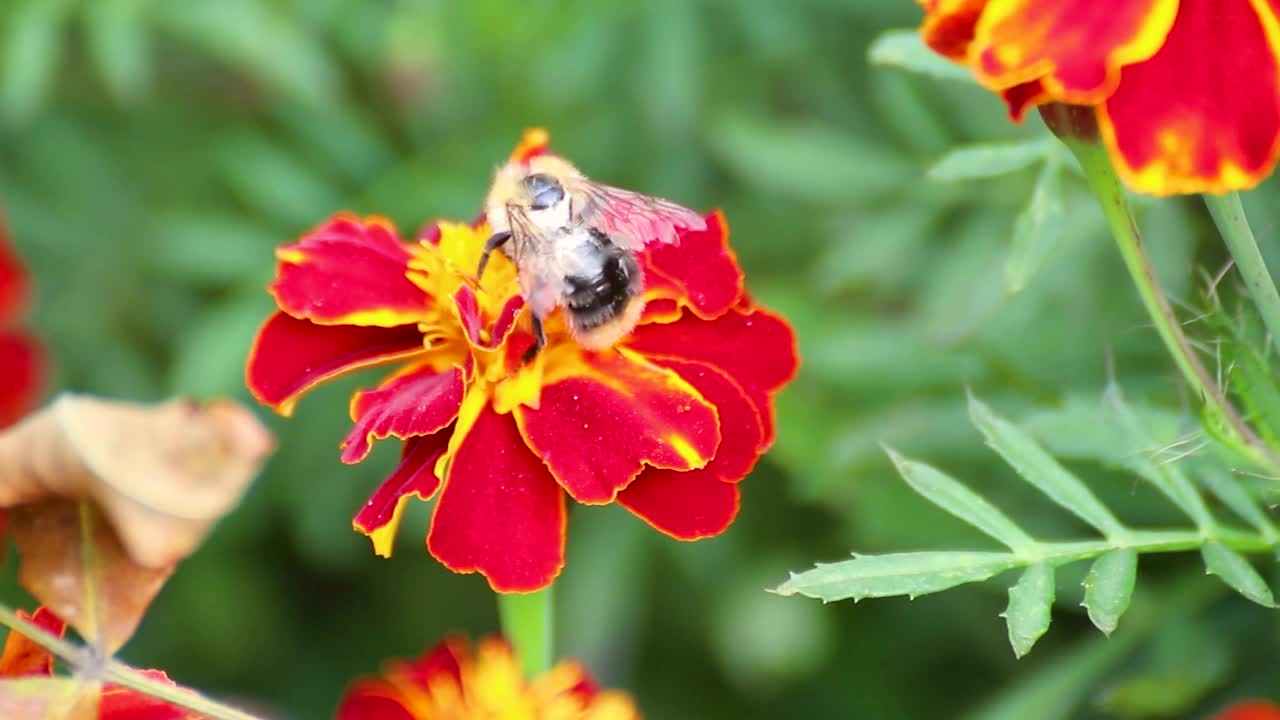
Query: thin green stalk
1228, 215
1106, 187
528, 623
119, 673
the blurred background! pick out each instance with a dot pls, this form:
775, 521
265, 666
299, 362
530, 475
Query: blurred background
152, 155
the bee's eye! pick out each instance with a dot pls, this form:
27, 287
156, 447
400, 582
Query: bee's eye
544, 191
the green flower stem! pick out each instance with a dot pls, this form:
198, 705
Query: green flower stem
118, 673
1228, 215
528, 624
1106, 187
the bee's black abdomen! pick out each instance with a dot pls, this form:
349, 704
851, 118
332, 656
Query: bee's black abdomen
595, 300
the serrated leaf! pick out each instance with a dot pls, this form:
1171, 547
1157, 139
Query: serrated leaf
910, 574
1030, 607
951, 495
1227, 489
1036, 229
987, 160
1108, 587
904, 49
1039, 468
1236, 572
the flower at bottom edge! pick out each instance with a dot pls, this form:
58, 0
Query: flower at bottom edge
454, 681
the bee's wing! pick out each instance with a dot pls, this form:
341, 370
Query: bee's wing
541, 282
632, 219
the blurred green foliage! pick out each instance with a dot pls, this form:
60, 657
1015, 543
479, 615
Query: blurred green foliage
152, 154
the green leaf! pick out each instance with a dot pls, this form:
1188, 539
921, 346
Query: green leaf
1037, 228
904, 49
1236, 572
1039, 468
910, 574
1227, 489
29, 55
1030, 607
950, 495
1109, 586
987, 160
116, 37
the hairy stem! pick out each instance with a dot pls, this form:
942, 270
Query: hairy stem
528, 623
1106, 187
118, 673
1228, 215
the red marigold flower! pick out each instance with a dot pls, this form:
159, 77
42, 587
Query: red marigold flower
450, 682
1250, 710
1172, 121
665, 423
22, 657
21, 360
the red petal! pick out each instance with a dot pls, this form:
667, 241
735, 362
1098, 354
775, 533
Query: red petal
755, 348
291, 356
348, 272
948, 26
21, 375
442, 661
473, 321
373, 699
686, 506
119, 703
1203, 114
21, 655
13, 282
1250, 710
501, 513
1075, 48
419, 401
700, 271
415, 476
609, 414
741, 427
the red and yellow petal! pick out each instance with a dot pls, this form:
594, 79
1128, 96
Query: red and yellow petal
604, 416
949, 26
533, 143
501, 512
685, 505
1203, 114
700, 272
754, 347
21, 376
479, 333
21, 655
419, 400
415, 476
349, 272
291, 356
1074, 48
741, 424
373, 699
120, 703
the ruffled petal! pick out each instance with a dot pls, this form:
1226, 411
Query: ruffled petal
415, 476
420, 400
481, 333
1203, 114
741, 425
949, 26
700, 272
21, 375
349, 272
603, 416
501, 512
684, 505
21, 655
754, 347
291, 356
1074, 48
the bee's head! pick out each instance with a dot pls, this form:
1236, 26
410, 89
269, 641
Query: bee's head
544, 191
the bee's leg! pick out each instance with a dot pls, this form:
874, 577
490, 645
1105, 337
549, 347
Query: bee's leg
494, 242
539, 341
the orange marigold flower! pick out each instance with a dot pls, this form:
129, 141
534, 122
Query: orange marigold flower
1250, 710
665, 423
21, 360
1187, 94
22, 657
450, 682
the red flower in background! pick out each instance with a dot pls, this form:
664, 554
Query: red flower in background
1187, 94
666, 423
22, 658
1250, 710
450, 682
21, 360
